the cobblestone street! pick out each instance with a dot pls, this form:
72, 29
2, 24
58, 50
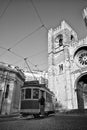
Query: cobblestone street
53, 122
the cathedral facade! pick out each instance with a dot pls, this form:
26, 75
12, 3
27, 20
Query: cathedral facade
67, 67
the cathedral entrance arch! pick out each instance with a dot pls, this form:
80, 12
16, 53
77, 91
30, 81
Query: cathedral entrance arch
81, 90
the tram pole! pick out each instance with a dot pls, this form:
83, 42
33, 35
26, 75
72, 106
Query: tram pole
25, 59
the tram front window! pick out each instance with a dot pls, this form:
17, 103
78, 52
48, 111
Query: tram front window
35, 93
28, 93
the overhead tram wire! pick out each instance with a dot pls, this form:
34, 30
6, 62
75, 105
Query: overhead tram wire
37, 29
32, 63
2, 47
28, 35
10, 51
33, 5
0, 18
25, 59
27, 56
4, 51
38, 53
24, 36
15, 53
5, 8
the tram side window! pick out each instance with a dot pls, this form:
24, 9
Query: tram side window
27, 93
48, 97
22, 94
35, 93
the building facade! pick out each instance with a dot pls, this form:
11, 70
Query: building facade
11, 80
67, 67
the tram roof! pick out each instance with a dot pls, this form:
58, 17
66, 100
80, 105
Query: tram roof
35, 84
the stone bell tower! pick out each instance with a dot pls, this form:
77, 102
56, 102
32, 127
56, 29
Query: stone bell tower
60, 56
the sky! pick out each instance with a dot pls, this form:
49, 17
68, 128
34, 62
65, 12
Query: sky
22, 34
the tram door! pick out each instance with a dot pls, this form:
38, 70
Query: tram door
42, 93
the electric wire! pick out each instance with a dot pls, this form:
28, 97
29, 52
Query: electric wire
38, 53
30, 62
5, 8
28, 35
33, 5
25, 59
37, 29
33, 64
15, 54
4, 51
9, 49
31, 70
22, 58
2, 47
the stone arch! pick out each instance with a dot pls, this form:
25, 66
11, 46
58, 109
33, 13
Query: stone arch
81, 91
81, 47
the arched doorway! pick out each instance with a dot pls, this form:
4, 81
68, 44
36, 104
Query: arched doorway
81, 89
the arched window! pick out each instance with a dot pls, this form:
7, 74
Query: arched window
7, 91
71, 37
59, 39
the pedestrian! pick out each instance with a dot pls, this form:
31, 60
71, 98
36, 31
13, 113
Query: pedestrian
42, 104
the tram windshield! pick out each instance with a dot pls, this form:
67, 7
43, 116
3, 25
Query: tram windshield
35, 93
28, 93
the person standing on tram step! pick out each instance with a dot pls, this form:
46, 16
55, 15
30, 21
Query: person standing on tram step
42, 104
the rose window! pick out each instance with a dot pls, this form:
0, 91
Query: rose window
83, 58
80, 56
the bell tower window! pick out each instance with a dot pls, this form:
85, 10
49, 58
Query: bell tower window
60, 40
71, 37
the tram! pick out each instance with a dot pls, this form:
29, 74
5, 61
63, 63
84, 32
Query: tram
30, 95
